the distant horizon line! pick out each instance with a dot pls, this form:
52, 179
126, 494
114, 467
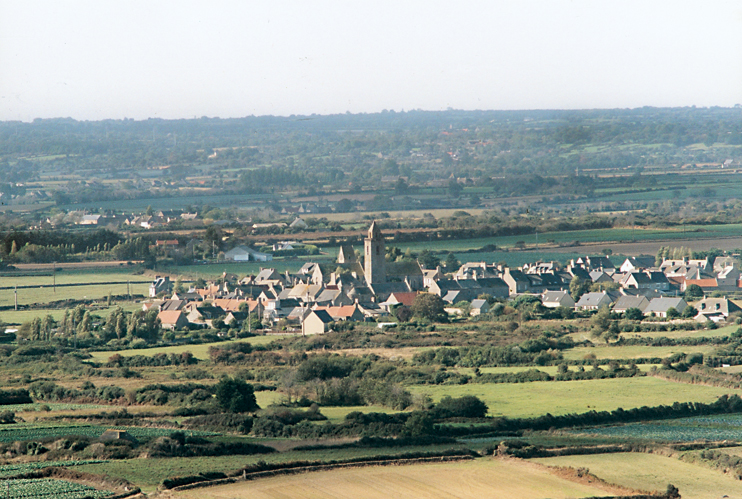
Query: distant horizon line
366, 113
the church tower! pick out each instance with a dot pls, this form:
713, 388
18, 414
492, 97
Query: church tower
374, 255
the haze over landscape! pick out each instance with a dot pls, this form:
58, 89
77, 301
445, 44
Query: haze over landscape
415, 249
94, 60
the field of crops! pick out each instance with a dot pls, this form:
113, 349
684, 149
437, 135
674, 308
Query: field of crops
466, 480
10, 470
720, 427
43, 488
566, 397
21, 432
653, 472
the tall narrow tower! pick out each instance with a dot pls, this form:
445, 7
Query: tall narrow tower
374, 255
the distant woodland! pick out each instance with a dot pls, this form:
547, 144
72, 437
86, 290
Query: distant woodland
509, 152
523, 171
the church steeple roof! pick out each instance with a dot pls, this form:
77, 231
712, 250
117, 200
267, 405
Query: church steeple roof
374, 232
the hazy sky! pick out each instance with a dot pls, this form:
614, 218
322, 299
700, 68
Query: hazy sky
179, 59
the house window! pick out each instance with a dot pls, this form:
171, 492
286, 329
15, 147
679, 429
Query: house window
377, 250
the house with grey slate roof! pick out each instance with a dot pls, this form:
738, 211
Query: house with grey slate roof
660, 306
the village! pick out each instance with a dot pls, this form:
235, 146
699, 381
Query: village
318, 295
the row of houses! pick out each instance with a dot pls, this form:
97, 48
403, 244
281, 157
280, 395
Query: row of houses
715, 309
351, 289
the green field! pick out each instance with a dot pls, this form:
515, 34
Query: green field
21, 316
477, 479
566, 397
92, 285
70, 276
583, 236
53, 406
337, 414
653, 472
266, 398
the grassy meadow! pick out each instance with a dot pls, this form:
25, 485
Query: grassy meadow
653, 472
78, 284
522, 400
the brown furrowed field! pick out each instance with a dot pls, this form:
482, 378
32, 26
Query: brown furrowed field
483, 478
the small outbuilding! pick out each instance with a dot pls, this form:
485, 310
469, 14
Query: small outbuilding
479, 307
110, 435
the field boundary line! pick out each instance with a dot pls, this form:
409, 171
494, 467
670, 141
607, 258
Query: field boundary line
72, 284
320, 467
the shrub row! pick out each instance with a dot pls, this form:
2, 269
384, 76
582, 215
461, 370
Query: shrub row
19, 396
160, 359
536, 375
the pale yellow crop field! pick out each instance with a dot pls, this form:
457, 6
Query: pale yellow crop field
653, 472
478, 479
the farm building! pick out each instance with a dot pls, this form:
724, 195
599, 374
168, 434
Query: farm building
244, 254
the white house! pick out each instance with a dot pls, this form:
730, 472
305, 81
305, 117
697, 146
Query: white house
555, 299
593, 301
244, 254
